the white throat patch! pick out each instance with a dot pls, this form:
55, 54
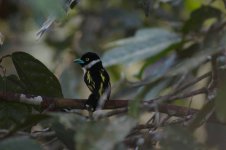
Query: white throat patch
92, 63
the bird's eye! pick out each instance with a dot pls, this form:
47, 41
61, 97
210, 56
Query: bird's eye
87, 59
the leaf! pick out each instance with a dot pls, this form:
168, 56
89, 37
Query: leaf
12, 83
220, 102
9, 115
65, 135
16, 143
27, 122
192, 5
12, 113
214, 42
175, 138
152, 73
150, 93
51, 9
65, 126
187, 65
95, 135
146, 43
44, 8
159, 57
198, 16
36, 76
103, 135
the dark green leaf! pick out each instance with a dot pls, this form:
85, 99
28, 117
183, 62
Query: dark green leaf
20, 143
27, 122
36, 76
199, 16
12, 113
146, 43
65, 126
65, 135
12, 83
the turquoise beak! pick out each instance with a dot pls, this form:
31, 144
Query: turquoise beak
79, 61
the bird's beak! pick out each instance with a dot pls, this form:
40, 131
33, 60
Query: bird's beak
79, 61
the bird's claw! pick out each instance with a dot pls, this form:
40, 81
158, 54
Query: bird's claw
89, 108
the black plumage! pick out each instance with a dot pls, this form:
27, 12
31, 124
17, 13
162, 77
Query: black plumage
96, 79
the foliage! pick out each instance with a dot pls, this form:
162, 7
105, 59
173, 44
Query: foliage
20, 143
35, 75
155, 52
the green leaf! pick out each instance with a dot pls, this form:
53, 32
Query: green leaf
158, 57
12, 83
146, 43
95, 135
22, 143
65, 126
44, 8
153, 91
198, 17
191, 5
12, 113
151, 73
177, 138
36, 76
47, 12
27, 122
103, 135
214, 42
220, 102
65, 135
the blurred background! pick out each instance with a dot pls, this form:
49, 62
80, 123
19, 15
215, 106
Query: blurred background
149, 47
91, 26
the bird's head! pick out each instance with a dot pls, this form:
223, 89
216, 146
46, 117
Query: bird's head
88, 60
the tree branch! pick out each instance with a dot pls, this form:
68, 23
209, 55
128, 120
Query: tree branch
57, 103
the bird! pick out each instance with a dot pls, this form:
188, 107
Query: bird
96, 79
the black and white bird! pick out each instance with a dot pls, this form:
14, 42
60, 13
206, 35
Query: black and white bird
96, 79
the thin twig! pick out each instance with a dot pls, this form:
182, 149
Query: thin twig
170, 97
191, 83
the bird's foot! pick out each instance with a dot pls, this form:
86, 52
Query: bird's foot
90, 108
